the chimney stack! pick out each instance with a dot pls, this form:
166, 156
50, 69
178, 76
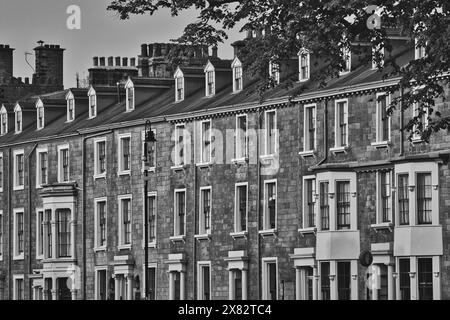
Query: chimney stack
214, 52
6, 61
49, 64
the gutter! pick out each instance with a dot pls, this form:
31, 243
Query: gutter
30, 268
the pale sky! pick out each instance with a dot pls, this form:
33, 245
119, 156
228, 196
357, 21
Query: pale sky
102, 33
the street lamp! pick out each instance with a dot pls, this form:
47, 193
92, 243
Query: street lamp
149, 140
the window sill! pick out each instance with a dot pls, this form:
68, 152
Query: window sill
241, 234
124, 247
124, 173
268, 232
303, 80
178, 238
206, 236
100, 176
306, 154
305, 231
21, 257
267, 159
18, 188
337, 150
416, 140
204, 164
151, 245
381, 144
178, 168
381, 226
149, 169
99, 249
237, 161
41, 257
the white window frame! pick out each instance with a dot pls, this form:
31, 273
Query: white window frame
379, 130
151, 265
97, 289
39, 153
97, 174
17, 256
97, 247
239, 137
121, 171
338, 145
151, 244
305, 204
234, 66
265, 277
70, 97
266, 131
306, 128
39, 240
200, 280
175, 214
92, 93
308, 59
130, 86
177, 147
15, 278
379, 209
60, 162
17, 111
237, 217
202, 143
3, 113
15, 172
201, 219
121, 244
210, 68
266, 218
274, 74
179, 75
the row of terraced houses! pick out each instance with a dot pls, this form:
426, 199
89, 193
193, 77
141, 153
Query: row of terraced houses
247, 199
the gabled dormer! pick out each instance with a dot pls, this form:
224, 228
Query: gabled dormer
210, 80
129, 95
92, 97
70, 106
347, 57
3, 120
40, 114
284, 69
18, 119
304, 65
238, 78
274, 71
179, 85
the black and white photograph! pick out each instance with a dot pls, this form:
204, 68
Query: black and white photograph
224, 150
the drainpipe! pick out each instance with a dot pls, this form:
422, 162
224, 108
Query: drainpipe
30, 269
194, 241
258, 205
83, 215
10, 223
325, 133
401, 121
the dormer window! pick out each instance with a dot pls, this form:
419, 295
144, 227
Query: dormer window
304, 65
380, 52
40, 115
274, 72
18, 119
70, 107
347, 57
179, 85
92, 103
210, 78
237, 75
129, 90
4, 121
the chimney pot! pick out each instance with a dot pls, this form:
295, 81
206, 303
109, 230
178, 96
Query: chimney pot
27, 80
117, 61
124, 62
132, 62
95, 61
144, 51
102, 61
150, 50
110, 61
19, 79
214, 52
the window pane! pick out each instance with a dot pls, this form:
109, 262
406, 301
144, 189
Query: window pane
324, 206
310, 203
271, 206
325, 280
424, 198
425, 272
385, 196
403, 199
63, 232
343, 204
405, 281
343, 278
